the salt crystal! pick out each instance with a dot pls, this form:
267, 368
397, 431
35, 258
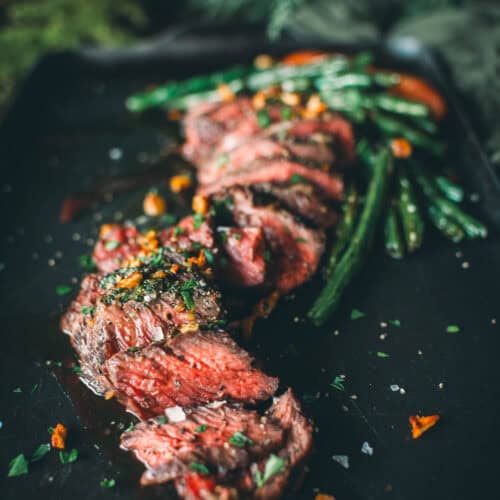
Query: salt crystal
336, 332
394, 387
76, 236
382, 336
459, 254
440, 385
343, 460
217, 404
366, 449
383, 324
115, 153
52, 262
465, 265
175, 414
402, 391
493, 321
1, 424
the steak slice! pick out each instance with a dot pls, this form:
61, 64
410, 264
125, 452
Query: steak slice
167, 299
296, 249
277, 170
168, 449
193, 368
229, 442
304, 200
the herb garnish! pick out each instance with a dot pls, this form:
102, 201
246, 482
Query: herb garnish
178, 231
87, 310
168, 219
133, 349
111, 245
76, 369
63, 289
131, 427
162, 419
186, 293
201, 428
202, 469
87, 262
357, 314
222, 160
381, 354
40, 452
452, 329
296, 179
239, 439
300, 240
18, 466
267, 255
68, 457
197, 220
394, 322
338, 383
208, 255
108, 483
286, 113
17, 389
237, 236
274, 465
263, 118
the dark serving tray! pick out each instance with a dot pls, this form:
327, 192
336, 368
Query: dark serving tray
69, 125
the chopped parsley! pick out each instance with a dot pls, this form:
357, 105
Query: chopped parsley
162, 419
76, 369
267, 256
168, 219
381, 354
34, 388
130, 428
240, 440
197, 220
394, 322
452, 329
187, 297
357, 314
300, 240
237, 236
17, 389
68, 457
201, 428
274, 466
263, 118
296, 179
202, 469
50, 430
111, 245
286, 113
40, 452
87, 262
208, 255
178, 231
133, 349
87, 310
18, 466
338, 383
63, 289
108, 483
222, 160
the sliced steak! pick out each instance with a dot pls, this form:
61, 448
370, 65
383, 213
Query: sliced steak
193, 368
190, 229
280, 171
304, 200
165, 299
246, 263
168, 449
296, 249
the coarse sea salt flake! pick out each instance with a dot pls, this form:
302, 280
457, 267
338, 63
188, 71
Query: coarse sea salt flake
343, 460
366, 448
175, 414
394, 387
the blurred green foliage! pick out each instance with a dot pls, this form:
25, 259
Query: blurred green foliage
33, 27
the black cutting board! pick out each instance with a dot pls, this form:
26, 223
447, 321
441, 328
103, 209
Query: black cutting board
69, 125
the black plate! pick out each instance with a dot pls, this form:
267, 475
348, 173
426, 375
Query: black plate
62, 131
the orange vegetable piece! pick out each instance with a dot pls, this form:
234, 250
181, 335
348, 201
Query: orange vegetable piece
226, 92
401, 148
174, 115
303, 57
324, 496
263, 61
179, 183
259, 100
415, 89
200, 204
131, 281
58, 437
159, 274
174, 268
419, 425
105, 229
109, 395
154, 204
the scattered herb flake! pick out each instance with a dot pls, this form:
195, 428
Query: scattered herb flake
274, 465
452, 329
296, 179
300, 240
187, 297
267, 256
263, 118
239, 439
18, 466
76, 369
208, 255
50, 430
338, 383
168, 219
63, 289
108, 483
197, 220
34, 388
87, 262
17, 389
130, 428
178, 231
162, 419
357, 314
111, 245
394, 322
222, 160
202, 469
133, 349
40, 452
237, 236
87, 310
68, 457
286, 113
381, 354
201, 428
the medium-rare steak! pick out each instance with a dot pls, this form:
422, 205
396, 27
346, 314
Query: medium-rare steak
135, 306
304, 200
222, 449
192, 368
219, 436
296, 249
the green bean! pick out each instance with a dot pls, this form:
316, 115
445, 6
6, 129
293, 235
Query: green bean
409, 212
277, 74
296, 84
348, 101
343, 81
393, 128
451, 190
445, 225
472, 227
164, 94
190, 100
394, 246
345, 228
400, 106
362, 60
360, 243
